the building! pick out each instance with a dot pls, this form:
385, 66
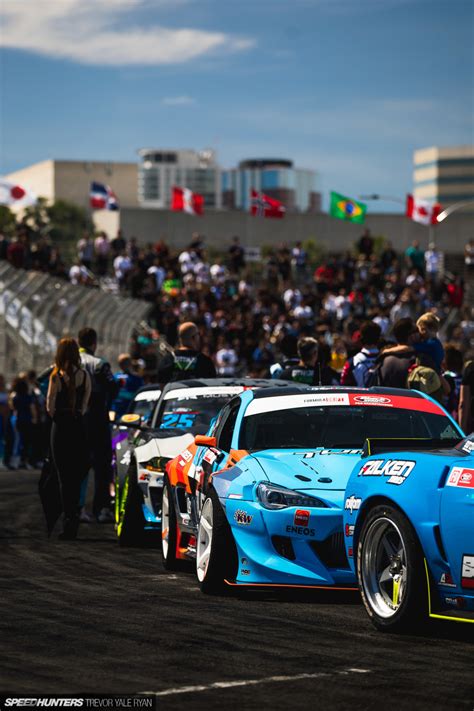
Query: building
444, 175
277, 178
70, 180
162, 168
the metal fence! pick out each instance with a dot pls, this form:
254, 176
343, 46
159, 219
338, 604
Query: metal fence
36, 310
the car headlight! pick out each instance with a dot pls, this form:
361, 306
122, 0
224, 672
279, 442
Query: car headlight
156, 464
277, 497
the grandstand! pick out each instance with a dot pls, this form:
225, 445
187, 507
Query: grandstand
36, 310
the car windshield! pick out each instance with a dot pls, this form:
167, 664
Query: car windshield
339, 427
144, 405
193, 414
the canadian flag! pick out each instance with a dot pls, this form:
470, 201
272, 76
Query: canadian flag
184, 200
423, 211
15, 195
264, 206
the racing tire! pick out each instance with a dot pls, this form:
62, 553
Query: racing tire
131, 522
216, 552
390, 571
168, 528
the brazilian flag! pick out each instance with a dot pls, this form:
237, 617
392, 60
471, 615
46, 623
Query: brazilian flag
346, 209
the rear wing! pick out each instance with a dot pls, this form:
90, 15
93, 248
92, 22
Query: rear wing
377, 445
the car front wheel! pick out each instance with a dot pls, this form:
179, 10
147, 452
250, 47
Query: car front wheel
216, 553
130, 521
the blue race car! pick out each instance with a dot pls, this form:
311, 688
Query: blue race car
270, 480
409, 527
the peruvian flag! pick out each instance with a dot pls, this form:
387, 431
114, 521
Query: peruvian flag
184, 200
102, 197
422, 211
15, 195
264, 206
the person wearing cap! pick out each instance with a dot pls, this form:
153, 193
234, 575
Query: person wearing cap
188, 361
128, 383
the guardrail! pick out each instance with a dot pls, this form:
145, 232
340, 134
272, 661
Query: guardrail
37, 309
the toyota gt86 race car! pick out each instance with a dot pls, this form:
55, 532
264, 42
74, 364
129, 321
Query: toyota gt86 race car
409, 521
185, 409
269, 482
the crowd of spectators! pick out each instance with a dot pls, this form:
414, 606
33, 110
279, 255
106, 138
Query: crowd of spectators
251, 315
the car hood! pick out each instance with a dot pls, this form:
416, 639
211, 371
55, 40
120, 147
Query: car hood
171, 446
321, 469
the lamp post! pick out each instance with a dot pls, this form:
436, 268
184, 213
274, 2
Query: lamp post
453, 208
389, 198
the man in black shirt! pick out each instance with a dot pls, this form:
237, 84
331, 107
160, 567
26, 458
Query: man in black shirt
309, 369
104, 389
188, 362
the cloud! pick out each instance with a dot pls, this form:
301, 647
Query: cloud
178, 101
96, 32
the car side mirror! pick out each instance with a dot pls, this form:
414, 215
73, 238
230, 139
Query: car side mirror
205, 441
131, 420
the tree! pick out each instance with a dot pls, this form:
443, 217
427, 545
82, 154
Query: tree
62, 221
67, 221
7, 220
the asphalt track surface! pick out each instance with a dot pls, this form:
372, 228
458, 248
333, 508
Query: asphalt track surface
89, 616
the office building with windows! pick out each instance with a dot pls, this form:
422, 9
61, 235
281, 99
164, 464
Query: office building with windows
277, 178
160, 169
444, 175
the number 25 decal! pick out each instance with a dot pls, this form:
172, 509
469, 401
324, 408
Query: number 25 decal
173, 420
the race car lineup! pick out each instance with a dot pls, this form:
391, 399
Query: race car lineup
267, 483
147, 439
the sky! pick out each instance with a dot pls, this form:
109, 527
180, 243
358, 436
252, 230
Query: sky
348, 88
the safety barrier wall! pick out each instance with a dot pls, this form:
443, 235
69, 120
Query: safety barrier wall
36, 310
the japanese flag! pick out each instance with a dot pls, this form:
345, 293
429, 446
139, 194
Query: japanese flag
15, 195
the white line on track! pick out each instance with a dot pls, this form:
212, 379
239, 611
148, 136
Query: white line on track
251, 682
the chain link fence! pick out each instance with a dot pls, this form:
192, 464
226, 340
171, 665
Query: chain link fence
36, 310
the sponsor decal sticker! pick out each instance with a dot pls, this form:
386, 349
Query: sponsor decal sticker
242, 517
301, 518
350, 552
461, 477
372, 400
468, 446
340, 451
396, 470
301, 531
349, 530
447, 580
245, 571
186, 455
352, 504
467, 571
402, 402
454, 601
210, 456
